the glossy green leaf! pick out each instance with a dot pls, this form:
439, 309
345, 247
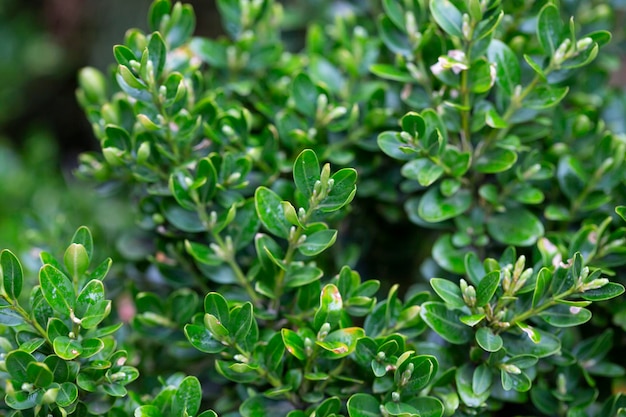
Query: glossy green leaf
434, 207
12, 274
331, 306
82, 236
271, 212
305, 93
449, 292
157, 52
508, 71
525, 231
343, 191
57, 289
147, 411
482, 379
215, 304
496, 160
488, 340
186, 400
67, 348
518, 382
394, 38
422, 170
16, 363
447, 16
487, 288
565, 316
391, 72
542, 285
445, 322
318, 242
549, 28
202, 339
448, 256
23, 400
606, 292
392, 145
544, 97
91, 307
10, 317
464, 383
298, 275
341, 343
545, 343
67, 395
306, 171
293, 343
39, 375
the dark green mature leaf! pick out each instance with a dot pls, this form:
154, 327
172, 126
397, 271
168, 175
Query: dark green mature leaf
82, 236
39, 375
544, 97
298, 275
258, 405
394, 38
464, 382
391, 72
487, 288
391, 144
271, 212
422, 170
157, 52
434, 207
202, 339
445, 322
521, 344
608, 291
525, 231
67, 395
318, 242
508, 71
448, 256
488, 340
549, 28
186, 401
343, 191
306, 171
496, 160
10, 317
22, 400
542, 285
12, 274
305, 93
449, 292
57, 289
16, 363
91, 307
215, 304
67, 348
447, 16
565, 316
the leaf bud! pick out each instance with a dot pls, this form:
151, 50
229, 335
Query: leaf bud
143, 153
76, 260
469, 296
93, 84
380, 356
583, 43
395, 397
582, 125
595, 284
50, 396
506, 279
301, 213
522, 279
113, 156
28, 387
560, 54
321, 335
510, 368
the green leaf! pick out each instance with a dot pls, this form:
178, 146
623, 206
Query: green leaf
487, 288
318, 242
482, 379
488, 340
186, 401
428, 406
91, 347
57, 289
449, 292
22, 400
549, 28
67, 395
391, 72
447, 16
202, 339
16, 363
157, 52
305, 93
479, 77
39, 375
82, 236
525, 231
76, 260
464, 382
496, 160
12, 274
544, 343
542, 285
608, 291
202, 253
544, 97
448, 256
91, 307
215, 304
9, 317
341, 343
293, 343
508, 71
306, 172
331, 306
147, 411
258, 405
298, 275
518, 382
422, 170
274, 351
394, 38
445, 322
328, 407
392, 145
565, 316
67, 348
270, 211
434, 207
343, 191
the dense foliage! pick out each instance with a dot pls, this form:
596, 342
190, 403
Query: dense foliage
456, 147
